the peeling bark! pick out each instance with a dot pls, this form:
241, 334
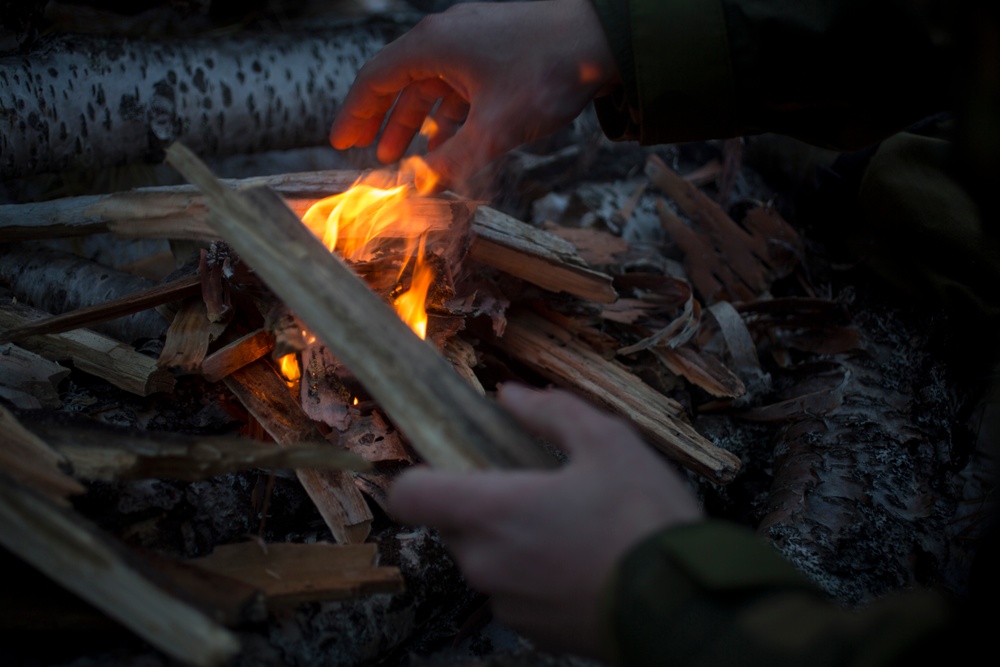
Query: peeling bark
81, 102
861, 495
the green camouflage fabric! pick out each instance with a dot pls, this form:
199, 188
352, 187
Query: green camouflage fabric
713, 594
910, 92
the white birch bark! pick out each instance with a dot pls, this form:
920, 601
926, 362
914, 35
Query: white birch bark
86, 101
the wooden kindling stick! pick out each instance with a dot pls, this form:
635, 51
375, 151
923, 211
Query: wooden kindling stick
449, 424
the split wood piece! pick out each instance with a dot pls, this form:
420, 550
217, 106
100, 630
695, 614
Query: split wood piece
733, 242
374, 439
58, 282
596, 247
223, 599
558, 355
702, 371
215, 287
290, 574
107, 454
26, 376
443, 418
126, 305
180, 212
92, 353
188, 337
326, 398
677, 333
78, 556
288, 331
536, 256
239, 353
264, 394
30, 461
714, 279
462, 357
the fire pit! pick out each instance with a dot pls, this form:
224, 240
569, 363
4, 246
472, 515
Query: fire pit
369, 338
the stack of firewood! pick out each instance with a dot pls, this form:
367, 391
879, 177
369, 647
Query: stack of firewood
371, 397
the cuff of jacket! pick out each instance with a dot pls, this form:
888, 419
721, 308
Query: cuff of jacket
673, 58
667, 593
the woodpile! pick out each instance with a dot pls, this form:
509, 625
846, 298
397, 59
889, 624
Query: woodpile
545, 303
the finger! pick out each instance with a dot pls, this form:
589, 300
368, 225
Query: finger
447, 118
397, 65
564, 419
454, 502
361, 112
471, 149
406, 117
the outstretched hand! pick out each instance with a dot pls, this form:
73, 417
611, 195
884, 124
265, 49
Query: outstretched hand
504, 73
543, 543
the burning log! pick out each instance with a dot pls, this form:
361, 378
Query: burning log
91, 352
442, 417
288, 574
93, 101
556, 354
267, 398
78, 556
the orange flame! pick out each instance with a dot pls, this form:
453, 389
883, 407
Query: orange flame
425, 179
429, 128
410, 304
290, 367
372, 209
349, 221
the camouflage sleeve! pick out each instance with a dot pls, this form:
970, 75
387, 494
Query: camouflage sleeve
841, 74
713, 594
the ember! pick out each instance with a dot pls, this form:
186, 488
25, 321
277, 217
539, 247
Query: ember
289, 365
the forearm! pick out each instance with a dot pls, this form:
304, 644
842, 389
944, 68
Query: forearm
842, 74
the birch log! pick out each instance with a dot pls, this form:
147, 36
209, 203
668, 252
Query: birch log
83, 102
57, 281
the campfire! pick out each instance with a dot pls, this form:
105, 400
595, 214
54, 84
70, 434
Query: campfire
362, 323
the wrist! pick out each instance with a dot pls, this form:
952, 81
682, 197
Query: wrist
596, 61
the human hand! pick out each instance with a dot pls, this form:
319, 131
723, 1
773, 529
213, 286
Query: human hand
505, 74
543, 543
